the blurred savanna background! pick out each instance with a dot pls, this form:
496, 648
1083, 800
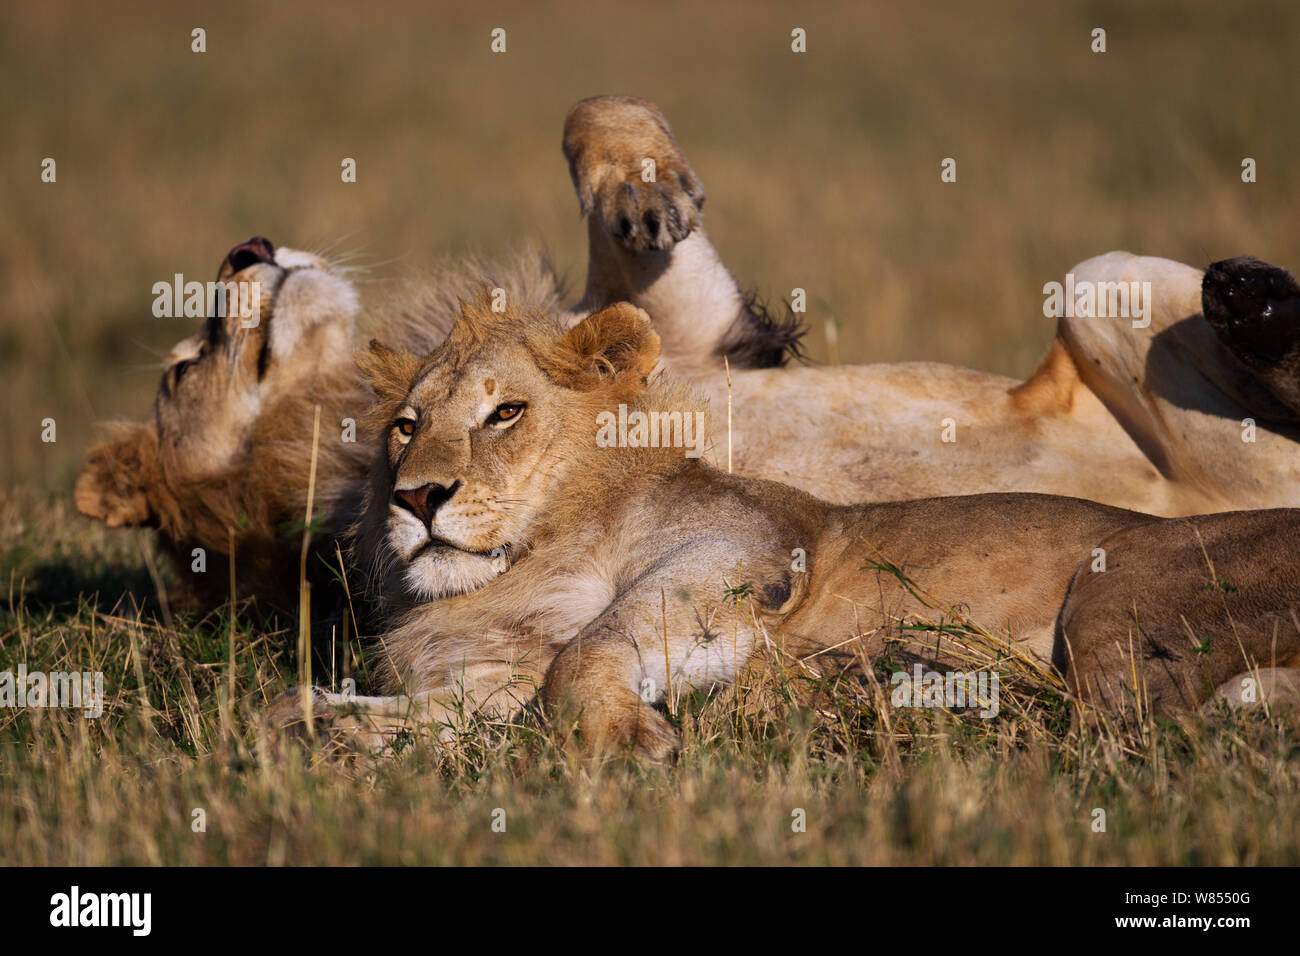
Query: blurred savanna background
822, 168
823, 172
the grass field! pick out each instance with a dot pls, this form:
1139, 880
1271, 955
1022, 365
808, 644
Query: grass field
870, 783
823, 173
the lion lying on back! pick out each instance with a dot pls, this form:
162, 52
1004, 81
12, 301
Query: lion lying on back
1149, 419
226, 454
537, 556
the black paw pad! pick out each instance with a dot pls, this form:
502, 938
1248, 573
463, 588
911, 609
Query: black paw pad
1254, 307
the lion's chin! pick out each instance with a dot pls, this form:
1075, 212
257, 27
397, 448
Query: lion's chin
443, 570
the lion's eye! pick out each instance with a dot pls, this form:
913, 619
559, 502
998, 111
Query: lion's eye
180, 368
405, 428
505, 413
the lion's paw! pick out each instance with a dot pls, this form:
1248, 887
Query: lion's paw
1253, 307
339, 728
287, 714
655, 738
625, 725
630, 173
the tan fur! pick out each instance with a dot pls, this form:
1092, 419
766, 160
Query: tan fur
1051, 389
1142, 419
1186, 610
225, 454
227, 451
637, 573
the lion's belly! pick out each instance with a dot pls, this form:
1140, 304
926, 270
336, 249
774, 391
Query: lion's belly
918, 430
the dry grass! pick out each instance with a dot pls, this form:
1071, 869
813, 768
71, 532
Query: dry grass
822, 172
876, 784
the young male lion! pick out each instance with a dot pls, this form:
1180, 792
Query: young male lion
540, 548
227, 453
1152, 419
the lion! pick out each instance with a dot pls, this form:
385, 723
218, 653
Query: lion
227, 456
1187, 415
223, 463
1186, 609
543, 552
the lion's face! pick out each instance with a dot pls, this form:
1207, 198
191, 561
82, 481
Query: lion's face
484, 432
218, 381
226, 381
469, 451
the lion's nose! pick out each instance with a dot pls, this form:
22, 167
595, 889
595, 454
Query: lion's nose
248, 253
424, 502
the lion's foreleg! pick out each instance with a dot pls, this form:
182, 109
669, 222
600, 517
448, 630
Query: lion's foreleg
372, 724
647, 649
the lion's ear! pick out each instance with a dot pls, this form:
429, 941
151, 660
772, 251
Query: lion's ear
114, 485
390, 371
616, 345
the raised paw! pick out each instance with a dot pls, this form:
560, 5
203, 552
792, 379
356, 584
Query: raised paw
630, 173
1254, 308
